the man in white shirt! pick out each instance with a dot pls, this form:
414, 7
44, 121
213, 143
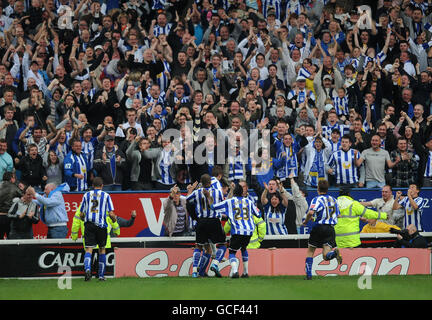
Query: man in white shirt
131, 115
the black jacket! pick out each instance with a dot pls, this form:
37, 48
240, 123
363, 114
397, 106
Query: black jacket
414, 241
32, 170
8, 191
104, 170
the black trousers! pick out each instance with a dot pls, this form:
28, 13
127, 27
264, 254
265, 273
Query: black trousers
4, 227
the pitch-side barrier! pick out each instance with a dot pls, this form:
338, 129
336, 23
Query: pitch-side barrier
165, 256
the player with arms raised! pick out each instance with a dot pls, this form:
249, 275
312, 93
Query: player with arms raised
94, 207
239, 210
325, 209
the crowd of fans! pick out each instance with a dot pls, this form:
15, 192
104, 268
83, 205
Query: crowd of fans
88, 88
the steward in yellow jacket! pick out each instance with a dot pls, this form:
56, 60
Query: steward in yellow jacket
78, 224
348, 226
258, 234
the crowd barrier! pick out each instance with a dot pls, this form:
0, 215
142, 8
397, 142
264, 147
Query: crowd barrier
149, 220
165, 256
139, 262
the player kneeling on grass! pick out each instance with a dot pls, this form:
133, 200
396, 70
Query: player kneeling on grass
239, 211
94, 208
325, 209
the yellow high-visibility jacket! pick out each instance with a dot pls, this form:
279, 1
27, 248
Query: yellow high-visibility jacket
78, 224
258, 234
348, 226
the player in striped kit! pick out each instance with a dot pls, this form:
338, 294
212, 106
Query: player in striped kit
208, 226
217, 175
342, 164
326, 210
94, 207
239, 210
413, 205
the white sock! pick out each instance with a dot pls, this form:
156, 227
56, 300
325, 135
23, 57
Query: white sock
234, 265
245, 267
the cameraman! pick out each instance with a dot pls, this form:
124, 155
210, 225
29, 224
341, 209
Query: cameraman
409, 237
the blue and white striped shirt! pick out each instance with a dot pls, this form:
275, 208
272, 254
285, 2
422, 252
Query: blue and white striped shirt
291, 163
162, 79
344, 164
326, 209
239, 211
293, 6
158, 30
95, 204
202, 207
275, 219
428, 169
335, 146
215, 183
268, 5
413, 216
341, 105
235, 172
88, 150
327, 130
165, 167
301, 95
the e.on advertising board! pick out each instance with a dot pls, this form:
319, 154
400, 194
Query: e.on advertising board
141, 262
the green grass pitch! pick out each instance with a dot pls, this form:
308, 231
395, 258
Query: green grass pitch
417, 287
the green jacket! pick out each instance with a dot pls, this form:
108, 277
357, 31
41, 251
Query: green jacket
348, 226
258, 234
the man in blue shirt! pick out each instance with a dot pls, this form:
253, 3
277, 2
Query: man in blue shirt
52, 209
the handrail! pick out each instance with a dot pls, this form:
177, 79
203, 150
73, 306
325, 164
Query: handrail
189, 238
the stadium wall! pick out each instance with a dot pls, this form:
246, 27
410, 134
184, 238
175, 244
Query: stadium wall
149, 220
140, 262
162, 256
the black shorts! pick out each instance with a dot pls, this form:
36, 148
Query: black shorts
209, 229
322, 234
94, 235
238, 241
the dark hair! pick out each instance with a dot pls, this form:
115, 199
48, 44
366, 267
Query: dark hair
97, 182
217, 170
238, 191
323, 186
132, 130
206, 180
8, 175
49, 159
347, 136
344, 191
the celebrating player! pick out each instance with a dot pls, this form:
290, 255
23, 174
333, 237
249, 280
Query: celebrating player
239, 211
94, 207
325, 209
208, 227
